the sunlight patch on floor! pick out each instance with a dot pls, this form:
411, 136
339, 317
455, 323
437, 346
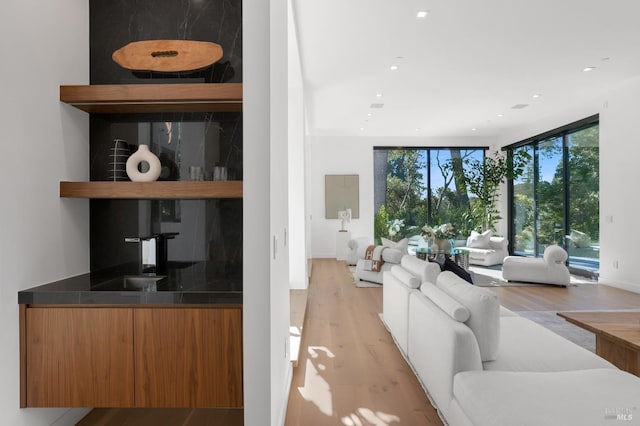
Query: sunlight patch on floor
316, 389
365, 416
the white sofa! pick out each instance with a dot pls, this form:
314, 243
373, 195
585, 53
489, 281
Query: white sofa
482, 364
391, 255
548, 269
485, 249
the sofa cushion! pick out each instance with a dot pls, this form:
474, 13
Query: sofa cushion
527, 346
477, 240
405, 277
448, 304
484, 307
425, 271
583, 397
392, 255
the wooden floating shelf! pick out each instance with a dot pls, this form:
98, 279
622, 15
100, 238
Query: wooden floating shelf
152, 190
154, 98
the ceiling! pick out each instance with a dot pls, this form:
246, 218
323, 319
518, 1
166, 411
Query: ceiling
462, 68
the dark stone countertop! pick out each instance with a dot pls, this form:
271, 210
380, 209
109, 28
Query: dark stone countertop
185, 283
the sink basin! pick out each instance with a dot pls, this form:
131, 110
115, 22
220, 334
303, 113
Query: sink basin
131, 283
141, 282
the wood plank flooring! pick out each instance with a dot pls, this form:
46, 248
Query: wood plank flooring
350, 371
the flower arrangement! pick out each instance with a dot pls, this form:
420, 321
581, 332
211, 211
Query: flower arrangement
441, 232
394, 226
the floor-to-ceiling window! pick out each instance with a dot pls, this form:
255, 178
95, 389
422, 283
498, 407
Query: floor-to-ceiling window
556, 200
414, 187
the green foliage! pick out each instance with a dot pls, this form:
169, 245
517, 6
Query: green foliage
380, 229
583, 187
483, 179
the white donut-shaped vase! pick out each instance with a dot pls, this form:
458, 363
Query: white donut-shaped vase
143, 155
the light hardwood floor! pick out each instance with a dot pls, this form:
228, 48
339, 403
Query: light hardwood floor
350, 372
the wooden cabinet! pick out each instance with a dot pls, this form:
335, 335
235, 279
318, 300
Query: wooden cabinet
131, 356
188, 357
78, 357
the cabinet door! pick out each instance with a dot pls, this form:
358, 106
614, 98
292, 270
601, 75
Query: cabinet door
79, 357
188, 357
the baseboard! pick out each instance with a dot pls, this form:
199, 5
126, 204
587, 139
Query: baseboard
623, 285
287, 392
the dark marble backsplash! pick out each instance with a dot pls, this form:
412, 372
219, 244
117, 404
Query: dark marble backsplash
179, 140
209, 230
115, 23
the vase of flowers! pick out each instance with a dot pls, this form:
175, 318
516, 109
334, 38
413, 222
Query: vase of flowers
438, 237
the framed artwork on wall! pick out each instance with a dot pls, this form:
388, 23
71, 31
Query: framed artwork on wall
341, 192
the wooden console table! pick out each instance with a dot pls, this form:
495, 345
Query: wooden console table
617, 336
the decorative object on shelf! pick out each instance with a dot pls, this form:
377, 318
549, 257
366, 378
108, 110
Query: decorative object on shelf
219, 173
168, 55
118, 160
196, 173
345, 216
143, 155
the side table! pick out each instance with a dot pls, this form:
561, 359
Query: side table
342, 238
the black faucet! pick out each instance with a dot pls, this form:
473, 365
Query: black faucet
153, 252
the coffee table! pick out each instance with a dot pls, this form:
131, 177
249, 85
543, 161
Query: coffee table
617, 335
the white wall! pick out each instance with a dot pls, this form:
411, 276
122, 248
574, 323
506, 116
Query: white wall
44, 238
265, 265
298, 278
353, 155
619, 179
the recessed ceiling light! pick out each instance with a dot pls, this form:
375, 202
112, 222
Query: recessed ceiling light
535, 96
369, 115
417, 129
378, 95
361, 129
422, 14
587, 69
393, 67
473, 129
500, 115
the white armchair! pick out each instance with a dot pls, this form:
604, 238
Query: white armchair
549, 269
355, 245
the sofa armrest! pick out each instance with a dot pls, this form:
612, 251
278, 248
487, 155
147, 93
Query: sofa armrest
499, 243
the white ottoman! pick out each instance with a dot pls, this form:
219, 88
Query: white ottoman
550, 269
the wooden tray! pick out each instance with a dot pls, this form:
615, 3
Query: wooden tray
167, 55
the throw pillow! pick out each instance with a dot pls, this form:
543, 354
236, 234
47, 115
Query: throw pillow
402, 245
480, 241
445, 302
484, 307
